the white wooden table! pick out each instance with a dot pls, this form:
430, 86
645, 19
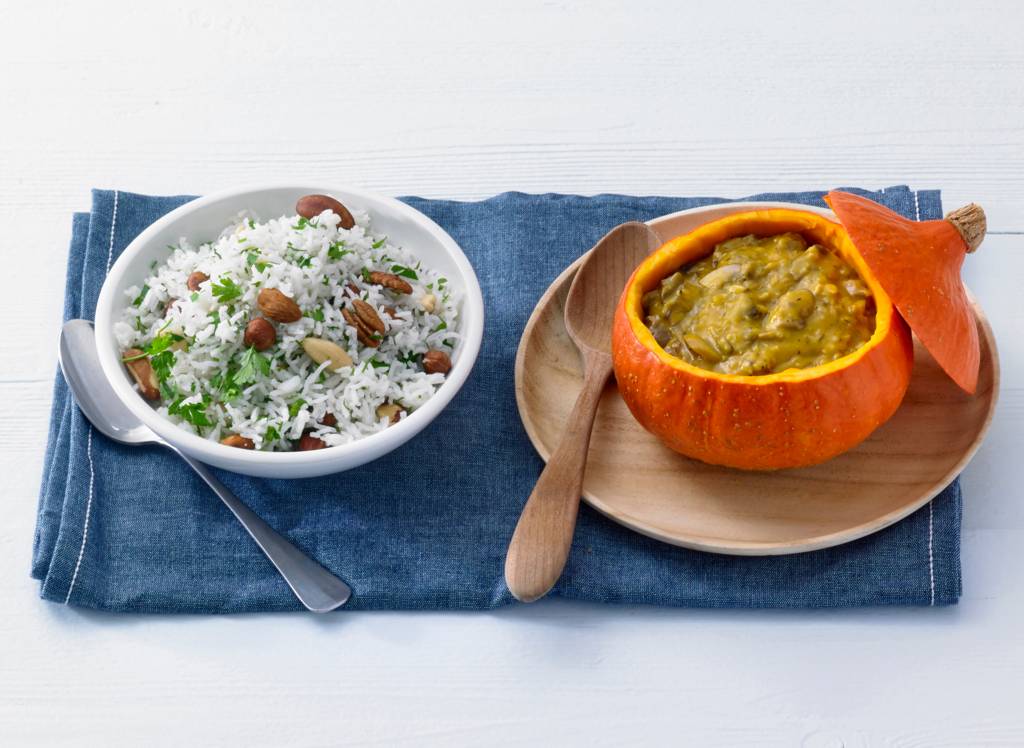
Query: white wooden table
464, 100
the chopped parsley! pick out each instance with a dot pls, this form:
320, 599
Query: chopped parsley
194, 413
302, 223
252, 365
377, 364
295, 407
252, 259
405, 272
317, 314
226, 290
380, 243
337, 250
271, 434
142, 295
442, 325
160, 344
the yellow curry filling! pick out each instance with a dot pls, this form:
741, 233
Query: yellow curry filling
761, 305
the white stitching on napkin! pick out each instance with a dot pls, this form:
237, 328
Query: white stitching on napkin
88, 511
88, 443
931, 556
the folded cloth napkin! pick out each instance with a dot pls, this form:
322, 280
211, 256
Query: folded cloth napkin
425, 527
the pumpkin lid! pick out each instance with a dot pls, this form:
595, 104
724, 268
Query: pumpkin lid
918, 264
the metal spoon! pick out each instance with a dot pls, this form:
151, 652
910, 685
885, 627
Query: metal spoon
541, 542
316, 588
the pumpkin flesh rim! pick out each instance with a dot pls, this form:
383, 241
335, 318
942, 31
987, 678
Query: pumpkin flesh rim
701, 241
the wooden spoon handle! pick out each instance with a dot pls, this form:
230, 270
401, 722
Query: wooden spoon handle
541, 542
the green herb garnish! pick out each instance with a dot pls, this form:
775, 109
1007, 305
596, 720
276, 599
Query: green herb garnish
141, 296
405, 272
252, 365
226, 290
337, 250
194, 413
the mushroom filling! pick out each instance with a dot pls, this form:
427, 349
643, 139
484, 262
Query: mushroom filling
762, 305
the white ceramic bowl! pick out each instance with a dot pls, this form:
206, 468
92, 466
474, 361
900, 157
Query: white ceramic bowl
202, 220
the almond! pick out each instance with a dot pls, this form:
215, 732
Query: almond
260, 334
142, 372
234, 440
436, 362
278, 306
195, 279
368, 316
389, 280
321, 350
310, 206
309, 442
391, 312
428, 302
389, 411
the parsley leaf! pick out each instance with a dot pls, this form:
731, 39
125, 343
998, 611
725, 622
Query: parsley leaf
160, 344
141, 296
317, 314
302, 223
295, 407
442, 325
194, 413
405, 272
379, 243
378, 364
271, 434
337, 251
252, 365
226, 290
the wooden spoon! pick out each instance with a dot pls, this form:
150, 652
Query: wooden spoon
541, 542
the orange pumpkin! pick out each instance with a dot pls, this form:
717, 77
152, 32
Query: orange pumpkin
790, 419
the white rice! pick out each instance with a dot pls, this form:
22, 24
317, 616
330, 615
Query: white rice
312, 262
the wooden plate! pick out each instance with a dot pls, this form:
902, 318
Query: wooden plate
635, 480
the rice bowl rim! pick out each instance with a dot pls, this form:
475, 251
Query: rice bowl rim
290, 464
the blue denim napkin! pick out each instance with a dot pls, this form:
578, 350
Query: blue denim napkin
426, 527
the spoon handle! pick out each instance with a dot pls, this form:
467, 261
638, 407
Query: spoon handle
541, 542
318, 589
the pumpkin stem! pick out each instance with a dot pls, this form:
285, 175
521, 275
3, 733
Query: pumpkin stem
970, 222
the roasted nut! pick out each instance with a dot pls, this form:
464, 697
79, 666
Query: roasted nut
260, 334
277, 306
321, 350
368, 316
389, 280
170, 305
142, 372
436, 362
329, 419
364, 335
234, 440
309, 442
195, 279
311, 206
352, 288
428, 302
390, 411
391, 312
